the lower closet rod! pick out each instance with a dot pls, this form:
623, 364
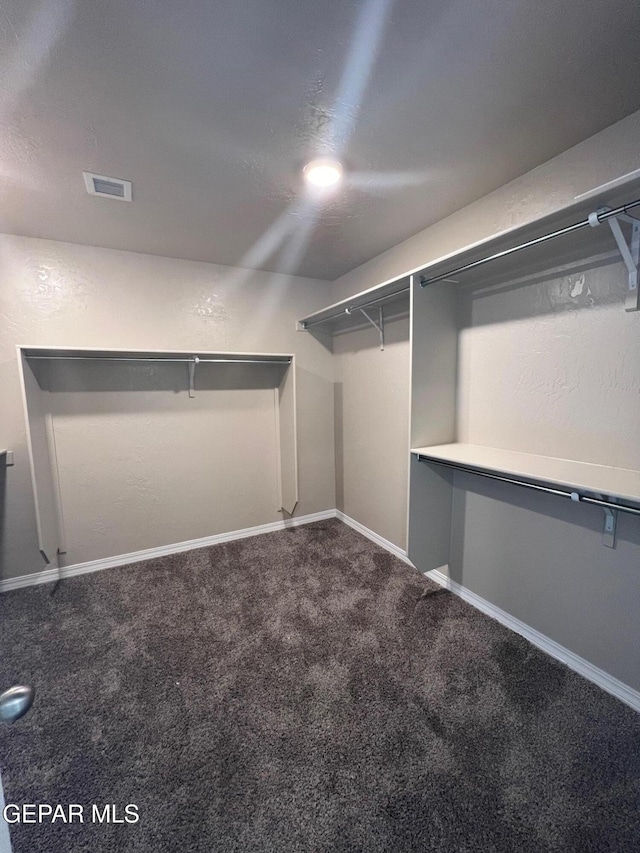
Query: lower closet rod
574, 496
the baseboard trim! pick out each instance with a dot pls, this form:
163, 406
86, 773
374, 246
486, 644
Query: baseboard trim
375, 537
49, 575
592, 673
587, 670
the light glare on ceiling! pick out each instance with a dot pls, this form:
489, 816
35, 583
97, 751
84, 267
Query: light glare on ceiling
323, 173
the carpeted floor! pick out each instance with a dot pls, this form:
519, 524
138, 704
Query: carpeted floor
303, 691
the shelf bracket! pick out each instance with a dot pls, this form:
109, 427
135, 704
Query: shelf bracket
630, 254
379, 325
610, 525
192, 375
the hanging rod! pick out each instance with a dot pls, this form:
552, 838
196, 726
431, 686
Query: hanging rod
574, 496
351, 308
594, 219
162, 360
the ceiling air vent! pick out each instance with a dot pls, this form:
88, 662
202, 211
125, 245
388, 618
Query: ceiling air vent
107, 187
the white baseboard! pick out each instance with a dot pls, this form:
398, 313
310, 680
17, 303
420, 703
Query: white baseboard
379, 540
592, 673
49, 575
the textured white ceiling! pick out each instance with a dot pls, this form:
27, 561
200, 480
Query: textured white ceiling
212, 108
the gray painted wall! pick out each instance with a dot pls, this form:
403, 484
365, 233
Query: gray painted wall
550, 364
542, 562
542, 371
372, 400
57, 294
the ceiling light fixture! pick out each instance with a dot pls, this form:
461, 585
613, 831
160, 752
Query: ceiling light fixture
323, 173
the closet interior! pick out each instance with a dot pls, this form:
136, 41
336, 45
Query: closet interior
507, 377
165, 432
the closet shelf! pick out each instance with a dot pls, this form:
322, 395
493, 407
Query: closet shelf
91, 353
347, 313
568, 474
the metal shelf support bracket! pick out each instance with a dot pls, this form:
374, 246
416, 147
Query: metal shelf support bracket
192, 375
379, 325
610, 525
610, 520
630, 253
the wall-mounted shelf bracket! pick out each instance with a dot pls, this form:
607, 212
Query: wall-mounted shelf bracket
610, 520
192, 375
630, 253
610, 523
379, 325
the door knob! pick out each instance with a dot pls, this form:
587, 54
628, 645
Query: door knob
15, 702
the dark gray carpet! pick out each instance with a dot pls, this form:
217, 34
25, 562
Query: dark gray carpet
304, 691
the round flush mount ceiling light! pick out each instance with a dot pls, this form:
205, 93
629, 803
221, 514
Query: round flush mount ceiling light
323, 173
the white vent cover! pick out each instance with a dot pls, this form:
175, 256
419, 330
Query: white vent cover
107, 187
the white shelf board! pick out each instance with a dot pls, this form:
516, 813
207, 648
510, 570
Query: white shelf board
335, 316
97, 353
623, 483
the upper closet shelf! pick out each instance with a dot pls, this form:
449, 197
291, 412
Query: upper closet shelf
568, 477
192, 359
90, 353
364, 308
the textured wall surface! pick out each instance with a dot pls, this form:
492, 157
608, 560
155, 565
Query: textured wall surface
372, 407
56, 294
551, 365
140, 462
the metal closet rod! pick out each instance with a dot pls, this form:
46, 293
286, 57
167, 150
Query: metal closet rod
592, 220
574, 496
350, 308
163, 360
